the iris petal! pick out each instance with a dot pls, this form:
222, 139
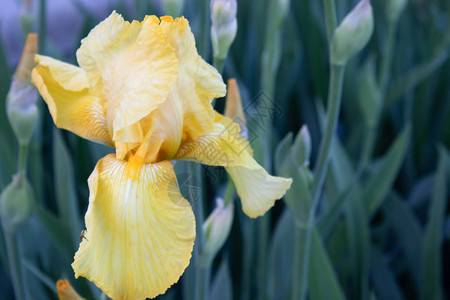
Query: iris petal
225, 147
140, 230
198, 83
70, 77
132, 65
63, 88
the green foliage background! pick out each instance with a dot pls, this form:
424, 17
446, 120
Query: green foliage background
382, 226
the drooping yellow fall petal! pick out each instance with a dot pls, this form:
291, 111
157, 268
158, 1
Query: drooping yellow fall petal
132, 65
63, 87
257, 189
225, 147
140, 230
66, 291
198, 83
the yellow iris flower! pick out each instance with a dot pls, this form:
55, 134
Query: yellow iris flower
142, 88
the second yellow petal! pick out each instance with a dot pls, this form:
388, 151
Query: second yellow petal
226, 147
64, 88
140, 230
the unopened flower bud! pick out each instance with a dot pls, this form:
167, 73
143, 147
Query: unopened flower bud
66, 291
16, 202
301, 149
216, 229
352, 34
394, 9
233, 107
21, 99
173, 8
223, 26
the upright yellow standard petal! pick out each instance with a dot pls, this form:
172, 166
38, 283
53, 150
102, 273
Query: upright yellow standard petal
198, 83
132, 66
225, 147
65, 90
140, 230
105, 43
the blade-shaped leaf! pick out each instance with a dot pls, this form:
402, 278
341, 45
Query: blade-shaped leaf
281, 257
432, 254
65, 188
56, 230
407, 232
45, 279
359, 243
222, 286
384, 282
323, 282
378, 186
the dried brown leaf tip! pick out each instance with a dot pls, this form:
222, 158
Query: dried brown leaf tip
26, 64
233, 104
66, 291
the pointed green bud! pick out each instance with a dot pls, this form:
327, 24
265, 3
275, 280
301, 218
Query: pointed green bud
394, 9
16, 202
352, 34
223, 26
22, 110
369, 94
216, 229
301, 149
22, 96
173, 8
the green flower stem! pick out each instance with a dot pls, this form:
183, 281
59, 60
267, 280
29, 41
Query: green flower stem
263, 246
202, 42
270, 61
330, 18
14, 265
42, 26
367, 150
22, 158
218, 63
201, 287
297, 264
387, 57
248, 240
334, 104
202, 283
262, 153
229, 193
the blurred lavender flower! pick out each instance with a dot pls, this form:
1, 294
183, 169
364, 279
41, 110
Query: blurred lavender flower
63, 16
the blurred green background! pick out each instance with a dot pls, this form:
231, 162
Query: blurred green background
381, 227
